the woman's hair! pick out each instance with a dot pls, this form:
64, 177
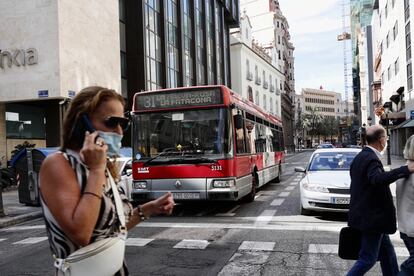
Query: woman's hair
409, 149
85, 102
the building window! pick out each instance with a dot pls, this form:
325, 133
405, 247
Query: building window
123, 65
210, 31
23, 121
219, 44
388, 40
188, 41
389, 73
277, 107
380, 19
386, 10
278, 39
250, 93
271, 105
122, 10
277, 24
256, 98
153, 51
395, 30
409, 76
382, 78
396, 67
264, 102
256, 72
172, 44
393, 3
200, 51
406, 10
408, 41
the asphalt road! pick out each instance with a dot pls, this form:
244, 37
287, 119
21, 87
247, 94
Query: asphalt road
266, 237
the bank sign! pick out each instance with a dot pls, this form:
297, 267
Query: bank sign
9, 58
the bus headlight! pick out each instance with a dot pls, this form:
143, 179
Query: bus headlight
140, 185
223, 183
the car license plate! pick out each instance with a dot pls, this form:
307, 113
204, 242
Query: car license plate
186, 195
340, 200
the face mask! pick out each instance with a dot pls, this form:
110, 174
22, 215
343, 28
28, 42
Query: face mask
113, 141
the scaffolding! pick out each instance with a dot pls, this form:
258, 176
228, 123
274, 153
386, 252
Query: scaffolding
345, 38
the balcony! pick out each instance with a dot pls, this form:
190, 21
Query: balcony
249, 76
278, 91
265, 84
258, 81
272, 88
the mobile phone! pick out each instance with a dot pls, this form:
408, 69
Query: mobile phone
87, 122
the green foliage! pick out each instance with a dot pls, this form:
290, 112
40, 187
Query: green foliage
19, 147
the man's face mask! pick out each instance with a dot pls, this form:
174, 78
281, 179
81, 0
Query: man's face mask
113, 141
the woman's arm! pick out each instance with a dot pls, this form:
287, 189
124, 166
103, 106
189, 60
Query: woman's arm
161, 205
76, 213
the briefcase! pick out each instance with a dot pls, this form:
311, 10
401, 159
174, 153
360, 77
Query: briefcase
349, 243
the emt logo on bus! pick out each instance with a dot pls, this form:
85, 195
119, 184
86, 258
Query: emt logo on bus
171, 99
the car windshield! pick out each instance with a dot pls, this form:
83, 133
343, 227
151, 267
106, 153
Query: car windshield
332, 161
326, 146
185, 134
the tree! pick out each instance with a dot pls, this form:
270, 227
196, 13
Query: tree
315, 119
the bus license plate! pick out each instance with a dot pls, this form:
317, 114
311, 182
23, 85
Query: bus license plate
186, 195
340, 200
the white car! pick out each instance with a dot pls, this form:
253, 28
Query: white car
326, 184
124, 165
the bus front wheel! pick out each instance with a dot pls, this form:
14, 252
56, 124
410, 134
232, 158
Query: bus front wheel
279, 174
250, 197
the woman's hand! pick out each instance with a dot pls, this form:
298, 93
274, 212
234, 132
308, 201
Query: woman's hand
161, 205
93, 152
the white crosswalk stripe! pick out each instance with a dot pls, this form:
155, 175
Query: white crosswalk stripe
2, 240
192, 244
138, 241
31, 240
290, 188
257, 246
284, 194
277, 202
333, 249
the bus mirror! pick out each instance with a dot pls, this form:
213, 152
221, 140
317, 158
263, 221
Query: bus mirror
238, 121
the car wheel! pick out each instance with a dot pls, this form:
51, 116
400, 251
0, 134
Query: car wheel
250, 197
279, 174
304, 212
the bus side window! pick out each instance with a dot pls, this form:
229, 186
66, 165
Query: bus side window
250, 137
239, 131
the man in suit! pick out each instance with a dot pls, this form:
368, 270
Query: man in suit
372, 208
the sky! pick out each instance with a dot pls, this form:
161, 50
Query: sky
319, 58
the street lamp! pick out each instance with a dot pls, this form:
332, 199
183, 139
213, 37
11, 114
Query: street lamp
369, 120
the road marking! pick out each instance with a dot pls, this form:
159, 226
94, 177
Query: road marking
248, 260
290, 188
257, 246
333, 249
20, 228
2, 240
265, 217
138, 241
230, 213
277, 202
31, 240
192, 244
284, 194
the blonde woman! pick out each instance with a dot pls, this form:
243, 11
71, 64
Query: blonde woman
405, 210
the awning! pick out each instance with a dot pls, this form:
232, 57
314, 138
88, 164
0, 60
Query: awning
406, 124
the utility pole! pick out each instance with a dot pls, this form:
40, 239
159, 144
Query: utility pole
2, 214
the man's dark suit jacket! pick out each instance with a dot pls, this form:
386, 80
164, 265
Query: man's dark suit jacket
372, 208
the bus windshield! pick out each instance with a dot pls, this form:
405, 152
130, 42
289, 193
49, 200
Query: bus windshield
184, 134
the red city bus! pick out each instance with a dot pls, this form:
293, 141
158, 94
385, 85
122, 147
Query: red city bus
203, 143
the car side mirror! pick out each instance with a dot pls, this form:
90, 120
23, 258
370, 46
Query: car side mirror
129, 172
300, 169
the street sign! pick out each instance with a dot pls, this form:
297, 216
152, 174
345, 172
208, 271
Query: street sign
411, 114
43, 93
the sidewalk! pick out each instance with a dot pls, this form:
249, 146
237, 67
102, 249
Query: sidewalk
17, 212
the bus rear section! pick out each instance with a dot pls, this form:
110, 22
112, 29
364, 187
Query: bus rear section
184, 142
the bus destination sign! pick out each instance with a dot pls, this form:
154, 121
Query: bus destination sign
173, 99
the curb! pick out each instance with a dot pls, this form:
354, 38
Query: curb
5, 222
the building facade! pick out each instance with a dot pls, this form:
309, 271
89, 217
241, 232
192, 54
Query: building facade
315, 105
137, 45
271, 28
253, 70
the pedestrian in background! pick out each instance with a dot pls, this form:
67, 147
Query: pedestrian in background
371, 209
405, 210
76, 195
